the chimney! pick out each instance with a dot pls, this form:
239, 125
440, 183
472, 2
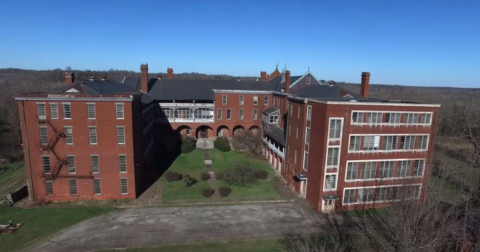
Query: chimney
238, 78
69, 78
331, 83
365, 84
144, 78
91, 78
263, 76
159, 77
104, 78
169, 73
287, 82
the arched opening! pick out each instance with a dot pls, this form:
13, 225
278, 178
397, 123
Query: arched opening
255, 130
184, 130
222, 130
204, 131
238, 130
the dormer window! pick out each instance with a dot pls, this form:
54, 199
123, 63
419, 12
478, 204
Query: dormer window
273, 119
309, 80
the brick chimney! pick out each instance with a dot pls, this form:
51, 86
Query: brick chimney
144, 78
69, 78
365, 84
169, 73
287, 82
263, 76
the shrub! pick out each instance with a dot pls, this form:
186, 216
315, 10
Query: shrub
188, 144
261, 175
220, 175
222, 144
173, 176
241, 174
205, 176
207, 192
224, 191
190, 181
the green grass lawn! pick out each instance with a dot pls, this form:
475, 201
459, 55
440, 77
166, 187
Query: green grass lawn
41, 222
224, 160
11, 179
243, 246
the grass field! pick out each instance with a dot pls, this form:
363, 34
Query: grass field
39, 223
12, 178
243, 246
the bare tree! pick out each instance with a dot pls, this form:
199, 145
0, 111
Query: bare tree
248, 142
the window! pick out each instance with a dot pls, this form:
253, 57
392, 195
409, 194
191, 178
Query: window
369, 170
416, 192
291, 109
122, 163
298, 111
68, 134
72, 183
47, 167
307, 135
265, 100
241, 99
309, 113
219, 114
297, 133
392, 118
305, 161
255, 114
295, 158
43, 135
183, 113
224, 99
418, 168
352, 171
92, 135
95, 163
332, 156
349, 196
71, 165
41, 111
330, 182
422, 142
290, 129
67, 113
274, 100
54, 110
355, 142
411, 118
49, 187
124, 185
389, 143
384, 194
240, 114
273, 119
119, 111
407, 142
374, 118
335, 129
357, 117
255, 100
187, 131
91, 110
121, 135
365, 195
229, 115
309, 80
404, 168
386, 169
97, 189
371, 142
426, 119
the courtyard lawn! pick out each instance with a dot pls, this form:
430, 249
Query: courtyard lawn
193, 165
241, 246
39, 223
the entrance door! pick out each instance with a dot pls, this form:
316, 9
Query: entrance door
328, 206
303, 190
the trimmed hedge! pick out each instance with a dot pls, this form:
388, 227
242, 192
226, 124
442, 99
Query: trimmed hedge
205, 176
222, 144
261, 175
190, 181
188, 144
224, 191
207, 192
173, 176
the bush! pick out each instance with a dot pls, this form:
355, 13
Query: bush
207, 192
241, 174
188, 144
222, 144
261, 175
190, 181
205, 176
224, 191
173, 176
220, 175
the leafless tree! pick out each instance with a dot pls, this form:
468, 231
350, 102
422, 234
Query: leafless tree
248, 142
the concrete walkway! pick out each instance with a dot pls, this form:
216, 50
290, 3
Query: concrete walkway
150, 227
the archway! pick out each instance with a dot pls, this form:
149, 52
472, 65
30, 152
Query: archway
184, 130
223, 130
238, 130
255, 130
204, 131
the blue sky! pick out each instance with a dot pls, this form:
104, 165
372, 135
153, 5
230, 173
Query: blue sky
410, 42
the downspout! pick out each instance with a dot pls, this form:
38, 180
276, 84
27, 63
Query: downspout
28, 150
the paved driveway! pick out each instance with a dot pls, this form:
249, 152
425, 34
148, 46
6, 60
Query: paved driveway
150, 227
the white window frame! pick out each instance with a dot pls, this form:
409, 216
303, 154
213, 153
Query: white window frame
64, 105
240, 114
65, 130
336, 119
49, 187
354, 165
307, 135
92, 164
241, 99
91, 111
99, 186
298, 111
255, 100
120, 111
417, 167
120, 166
224, 99
43, 137
72, 166
305, 161
219, 114
90, 135
333, 164
419, 186
265, 100
309, 80
399, 148
309, 113
255, 114
45, 157
401, 118
126, 186
75, 186
229, 114
325, 189
54, 110
121, 141
41, 110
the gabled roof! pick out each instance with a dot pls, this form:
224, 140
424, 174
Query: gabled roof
293, 82
279, 83
271, 110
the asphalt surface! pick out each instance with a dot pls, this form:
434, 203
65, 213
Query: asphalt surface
151, 227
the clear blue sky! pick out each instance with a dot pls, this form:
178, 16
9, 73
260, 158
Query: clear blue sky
411, 42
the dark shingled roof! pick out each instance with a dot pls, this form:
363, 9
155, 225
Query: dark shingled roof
271, 110
278, 134
324, 92
133, 82
279, 85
